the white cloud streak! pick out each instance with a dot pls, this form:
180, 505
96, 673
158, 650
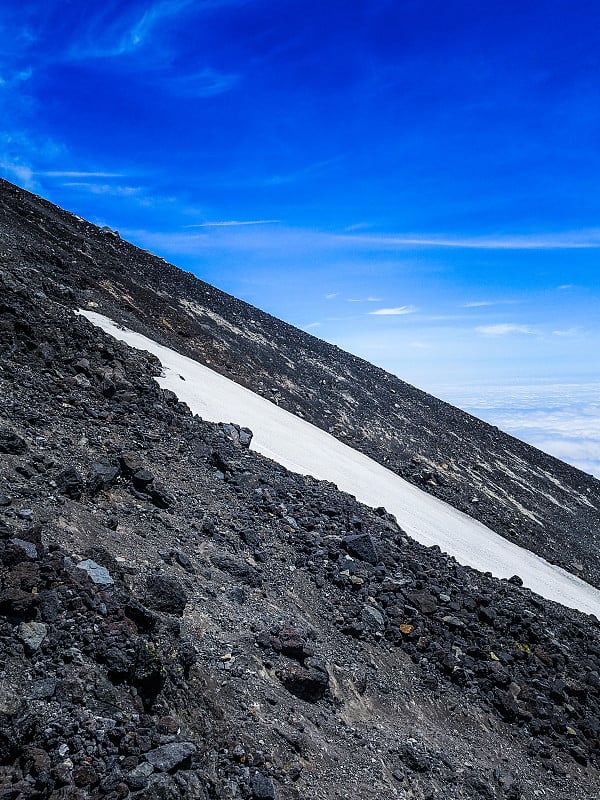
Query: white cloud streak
554, 241
105, 188
485, 303
75, 174
233, 223
363, 299
503, 329
398, 311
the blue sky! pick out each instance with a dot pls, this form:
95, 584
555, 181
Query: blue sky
414, 181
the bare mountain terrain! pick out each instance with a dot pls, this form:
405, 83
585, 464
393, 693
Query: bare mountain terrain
183, 618
529, 497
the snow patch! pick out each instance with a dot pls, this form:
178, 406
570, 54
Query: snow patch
306, 449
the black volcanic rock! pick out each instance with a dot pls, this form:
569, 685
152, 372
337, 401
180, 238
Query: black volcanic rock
165, 593
10, 442
362, 546
70, 483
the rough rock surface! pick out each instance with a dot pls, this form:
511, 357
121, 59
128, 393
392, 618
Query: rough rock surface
263, 636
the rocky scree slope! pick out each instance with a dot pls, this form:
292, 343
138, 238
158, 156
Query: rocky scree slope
523, 494
182, 618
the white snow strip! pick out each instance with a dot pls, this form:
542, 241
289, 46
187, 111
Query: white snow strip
306, 449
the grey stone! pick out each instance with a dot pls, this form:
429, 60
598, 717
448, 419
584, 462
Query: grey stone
99, 575
138, 777
171, 756
10, 702
372, 618
42, 689
33, 634
262, 787
28, 547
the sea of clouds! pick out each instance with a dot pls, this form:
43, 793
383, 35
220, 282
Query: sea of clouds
561, 419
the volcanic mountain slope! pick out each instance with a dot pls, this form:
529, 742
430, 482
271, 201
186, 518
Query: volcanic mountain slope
523, 494
183, 618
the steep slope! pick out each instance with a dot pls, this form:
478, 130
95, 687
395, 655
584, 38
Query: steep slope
307, 450
523, 494
183, 618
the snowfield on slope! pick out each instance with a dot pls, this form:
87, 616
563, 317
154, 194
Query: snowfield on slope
306, 449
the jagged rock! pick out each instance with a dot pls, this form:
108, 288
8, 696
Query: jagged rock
161, 497
98, 574
309, 683
29, 547
424, 601
469, 658
70, 483
372, 618
362, 545
238, 435
171, 756
15, 602
43, 689
85, 775
130, 463
33, 634
262, 787
165, 593
138, 777
141, 479
11, 442
238, 568
102, 476
10, 701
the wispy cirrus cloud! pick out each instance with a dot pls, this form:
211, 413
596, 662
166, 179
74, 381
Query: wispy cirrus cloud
233, 223
485, 303
56, 173
9, 81
397, 311
363, 299
125, 33
207, 82
105, 188
504, 329
305, 172
588, 239
21, 151
20, 172
568, 332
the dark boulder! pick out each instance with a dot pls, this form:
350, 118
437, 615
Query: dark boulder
308, 683
70, 483
362, 546
102, 476
11, 442
166, 594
